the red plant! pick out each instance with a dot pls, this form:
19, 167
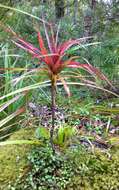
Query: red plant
53, 57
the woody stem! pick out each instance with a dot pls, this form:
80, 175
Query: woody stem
53, 105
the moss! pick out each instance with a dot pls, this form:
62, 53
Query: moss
95, 172
13, 158
91, 171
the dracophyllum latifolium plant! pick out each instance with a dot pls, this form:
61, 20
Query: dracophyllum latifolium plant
53, 57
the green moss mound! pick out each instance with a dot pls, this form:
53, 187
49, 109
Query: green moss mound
13, 158
91, 171
99, 171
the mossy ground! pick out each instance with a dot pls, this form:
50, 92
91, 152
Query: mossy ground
98, 171
13, 158
94, 171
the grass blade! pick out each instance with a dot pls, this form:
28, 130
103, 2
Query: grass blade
20, 142
27, 88
10, 117
6, 104
23, 12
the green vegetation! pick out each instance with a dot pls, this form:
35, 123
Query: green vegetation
59, 95
13, 158
98, 171
76, 169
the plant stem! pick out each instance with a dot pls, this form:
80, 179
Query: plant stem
53, 106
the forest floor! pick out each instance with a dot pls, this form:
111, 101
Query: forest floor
97, 131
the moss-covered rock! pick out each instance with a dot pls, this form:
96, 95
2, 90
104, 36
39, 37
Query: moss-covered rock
13, 158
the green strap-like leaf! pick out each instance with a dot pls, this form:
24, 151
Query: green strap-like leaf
23, 12
30, 87
20, 142
10, 117
45, 84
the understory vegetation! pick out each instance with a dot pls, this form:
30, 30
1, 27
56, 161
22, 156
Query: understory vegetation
59, 95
